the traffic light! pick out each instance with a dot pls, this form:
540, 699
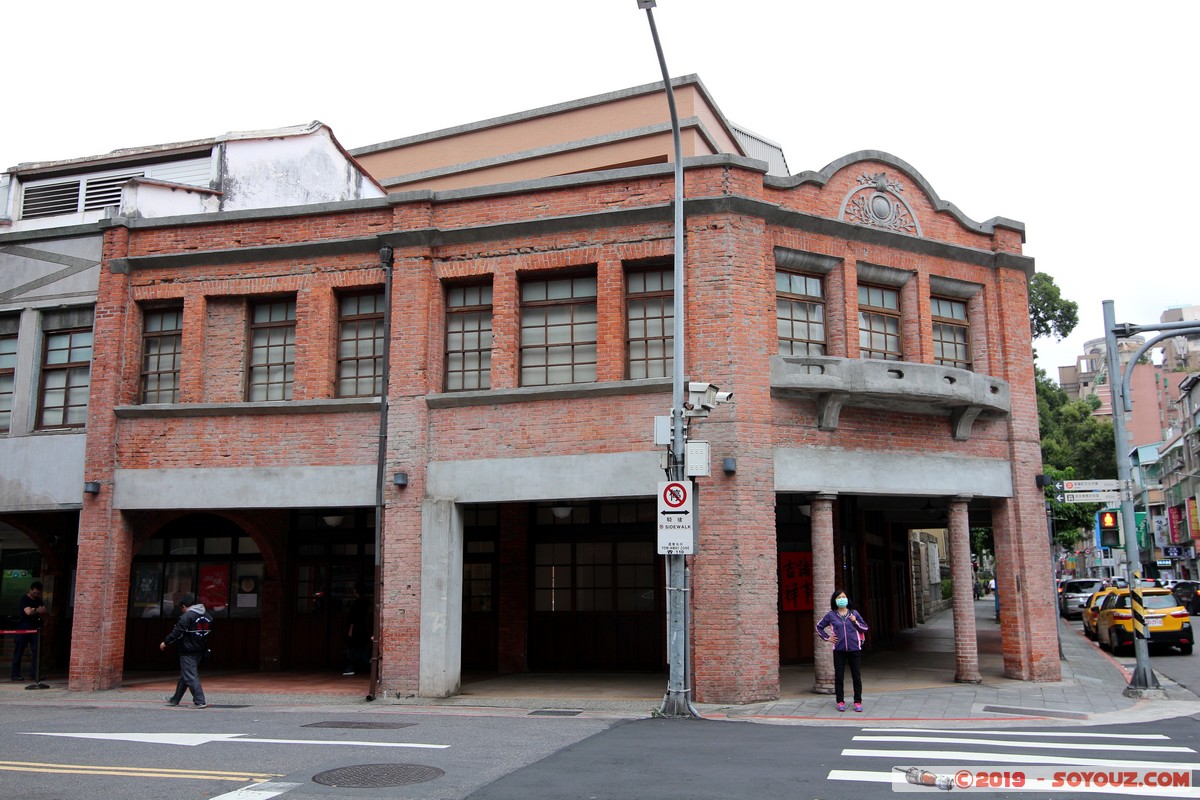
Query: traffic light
1109, 522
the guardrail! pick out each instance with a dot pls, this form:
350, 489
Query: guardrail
37, 678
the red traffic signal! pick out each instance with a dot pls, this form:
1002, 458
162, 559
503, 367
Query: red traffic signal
1109, 521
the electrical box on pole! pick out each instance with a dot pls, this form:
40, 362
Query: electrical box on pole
697, 460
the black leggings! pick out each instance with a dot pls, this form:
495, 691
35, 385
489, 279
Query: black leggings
840, 659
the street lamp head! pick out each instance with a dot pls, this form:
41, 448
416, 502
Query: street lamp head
644, 4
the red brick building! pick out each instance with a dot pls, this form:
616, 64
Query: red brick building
876, 339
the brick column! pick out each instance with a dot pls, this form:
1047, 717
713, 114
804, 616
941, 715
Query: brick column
966, 647
825, 571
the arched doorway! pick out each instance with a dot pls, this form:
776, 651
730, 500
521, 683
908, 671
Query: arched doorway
208, 555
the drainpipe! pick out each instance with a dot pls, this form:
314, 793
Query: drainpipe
386, 260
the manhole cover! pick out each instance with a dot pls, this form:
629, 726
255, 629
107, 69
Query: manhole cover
364, 726
555, 712
377, 776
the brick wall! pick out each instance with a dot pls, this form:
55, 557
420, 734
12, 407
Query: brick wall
730, 338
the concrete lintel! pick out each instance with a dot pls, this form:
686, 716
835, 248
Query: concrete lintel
834, 469
505, 480
245, 487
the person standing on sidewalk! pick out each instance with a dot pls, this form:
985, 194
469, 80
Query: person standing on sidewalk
357, 656
191, 632
846, 629
32, 618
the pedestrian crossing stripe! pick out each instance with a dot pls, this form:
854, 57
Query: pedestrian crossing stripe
1140, 737
969, 756
1149, 748
891, 776
863, 775
997, 747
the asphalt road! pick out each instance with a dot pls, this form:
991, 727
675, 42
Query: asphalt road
257, 754
702, 760
1168, 661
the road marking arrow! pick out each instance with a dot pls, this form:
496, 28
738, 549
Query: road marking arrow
193, 739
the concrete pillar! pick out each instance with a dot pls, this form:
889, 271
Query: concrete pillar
825, 572
441, 598
966, 646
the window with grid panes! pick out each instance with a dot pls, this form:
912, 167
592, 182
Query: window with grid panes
66, 378
951, 333
468, 337
272, 350
553, 587
480, 524
649, 322
162, 351
8, 374
360, 345
879, 323
800, 313
558, 331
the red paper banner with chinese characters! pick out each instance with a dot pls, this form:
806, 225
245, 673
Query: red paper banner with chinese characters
795, 581
214, 586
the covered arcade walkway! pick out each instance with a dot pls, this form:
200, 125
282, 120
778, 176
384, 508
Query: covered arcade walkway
918, 658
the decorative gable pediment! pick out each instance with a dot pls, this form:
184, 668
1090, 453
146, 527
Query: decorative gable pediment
878, 201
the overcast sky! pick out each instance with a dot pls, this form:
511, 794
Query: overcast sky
1071, 117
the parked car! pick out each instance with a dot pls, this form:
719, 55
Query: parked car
1091, 610
1121, 583
1075, 594
1188, 595
1167, 622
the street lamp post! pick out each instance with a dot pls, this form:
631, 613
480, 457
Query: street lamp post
677, 702
1142, 683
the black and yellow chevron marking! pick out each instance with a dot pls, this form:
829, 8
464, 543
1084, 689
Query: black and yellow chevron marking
1139, 613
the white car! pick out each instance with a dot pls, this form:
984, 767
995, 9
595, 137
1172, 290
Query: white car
1075, 594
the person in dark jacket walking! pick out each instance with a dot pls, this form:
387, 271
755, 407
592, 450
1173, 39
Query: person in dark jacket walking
31, 615
191, 633
845, 628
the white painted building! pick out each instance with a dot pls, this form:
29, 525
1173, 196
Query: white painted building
52, 215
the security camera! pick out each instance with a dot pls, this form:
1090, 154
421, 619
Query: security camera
704, 397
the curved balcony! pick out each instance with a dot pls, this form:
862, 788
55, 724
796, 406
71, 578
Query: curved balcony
832, 383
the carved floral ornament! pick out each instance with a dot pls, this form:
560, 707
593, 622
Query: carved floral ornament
877, 201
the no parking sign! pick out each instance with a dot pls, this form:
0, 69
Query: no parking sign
676, 522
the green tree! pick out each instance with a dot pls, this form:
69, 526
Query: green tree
1049, 313
1075, 444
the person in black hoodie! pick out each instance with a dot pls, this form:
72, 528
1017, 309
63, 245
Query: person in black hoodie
191, 632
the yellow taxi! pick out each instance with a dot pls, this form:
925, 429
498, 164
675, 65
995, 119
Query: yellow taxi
1167, 622
1091, 610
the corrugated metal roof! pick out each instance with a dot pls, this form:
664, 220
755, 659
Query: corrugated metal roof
763, 149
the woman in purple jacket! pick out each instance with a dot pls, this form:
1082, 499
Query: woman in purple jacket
845, 627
